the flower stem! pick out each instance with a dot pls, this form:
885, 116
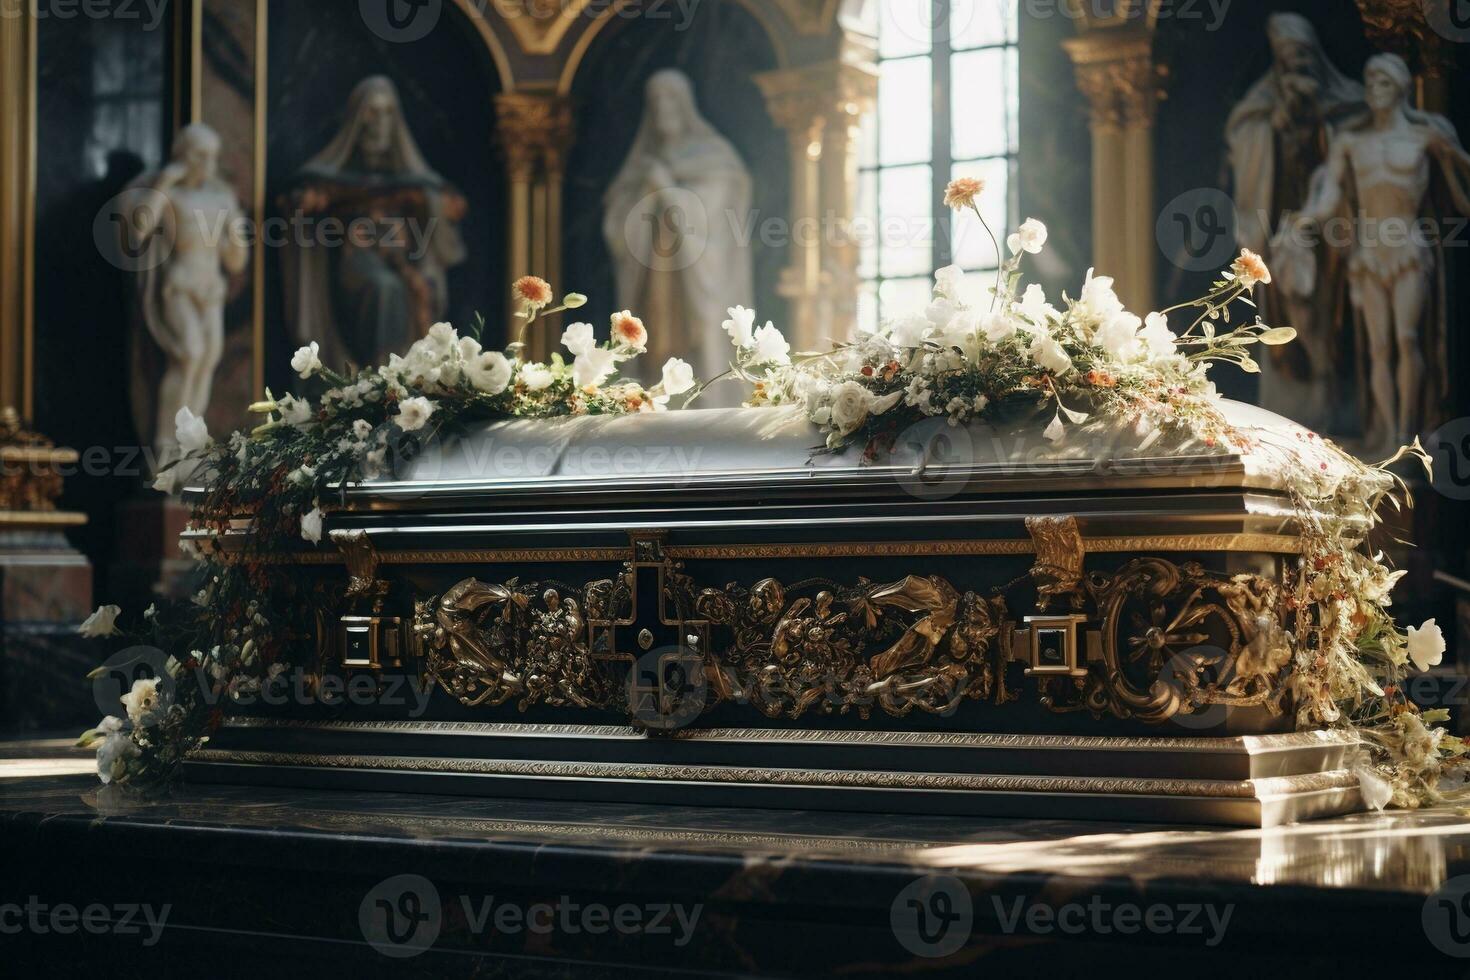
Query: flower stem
998, 262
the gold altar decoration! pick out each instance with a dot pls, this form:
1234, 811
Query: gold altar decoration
30, 475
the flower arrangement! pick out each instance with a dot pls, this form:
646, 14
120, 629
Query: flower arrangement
1017, 352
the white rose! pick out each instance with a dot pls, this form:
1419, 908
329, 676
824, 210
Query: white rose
850, 404
579, 339
1030, 238
1157, 337
1051, 355
469, 348
678, 377
307, 361
294, 411
190, 431
536, 377
771, 346
1426, 645
413, 413
143, 700
489, 372
443, 336
740, 326
1119, 337
103, 622
594, 367
311, 525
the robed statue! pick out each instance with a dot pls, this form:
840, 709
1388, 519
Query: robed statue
188, 236
1278, 136
1393, 178
379, 287
673, 220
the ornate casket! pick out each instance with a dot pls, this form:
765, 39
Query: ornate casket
701, 607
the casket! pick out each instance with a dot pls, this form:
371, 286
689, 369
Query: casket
706, 607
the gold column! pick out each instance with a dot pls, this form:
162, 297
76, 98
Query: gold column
534, 130
820, 107
1116, 72
17, 209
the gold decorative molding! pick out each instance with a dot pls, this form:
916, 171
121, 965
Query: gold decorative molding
1117, 73
17, 206
30, 474
535, 132
1402, 27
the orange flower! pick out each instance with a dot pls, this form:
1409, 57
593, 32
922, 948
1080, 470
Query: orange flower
628, 330
534, 291
962, 191
1250, 269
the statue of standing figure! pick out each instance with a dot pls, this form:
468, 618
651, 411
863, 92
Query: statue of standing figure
670, 222
1279, 135
380, 289
1392, 178
187, 225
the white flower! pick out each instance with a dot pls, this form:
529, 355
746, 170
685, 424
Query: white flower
997, 327
1375, 790
1157, 336
1051, 355
1055, 432
469, 348
190, 431
294, 411
594, 367
1031, 238
307, 361
579, 339
536, 377
1099, 302
103, 622
770, 346
311, 525
115, 751
1118, 335
1034, 307
910, 331
948, 282
740, 326
168, 481
413, 413
489, 372
362, 428
1426, 645
443, 336
143, 700
678, 377
851, 403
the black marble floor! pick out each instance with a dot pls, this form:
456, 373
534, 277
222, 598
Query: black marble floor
225, 881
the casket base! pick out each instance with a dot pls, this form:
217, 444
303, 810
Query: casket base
1248, 781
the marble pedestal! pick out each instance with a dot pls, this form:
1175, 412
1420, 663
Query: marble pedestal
45, 593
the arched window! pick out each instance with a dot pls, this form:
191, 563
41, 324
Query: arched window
947, 107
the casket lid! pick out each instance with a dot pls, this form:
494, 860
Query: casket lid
742, 451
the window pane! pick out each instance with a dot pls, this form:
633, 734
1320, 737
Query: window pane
906, 226
906, 27
977, 288
972, 246
868, 140
905, 110
982, 89
867, 307
865, 225
902, 297
974, 23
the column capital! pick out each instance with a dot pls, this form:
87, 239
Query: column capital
801, 99
1116, 71
535, 132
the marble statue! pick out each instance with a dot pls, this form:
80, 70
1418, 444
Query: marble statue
672, 222
1392, 178
188, 220
1278, 135
373, 292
